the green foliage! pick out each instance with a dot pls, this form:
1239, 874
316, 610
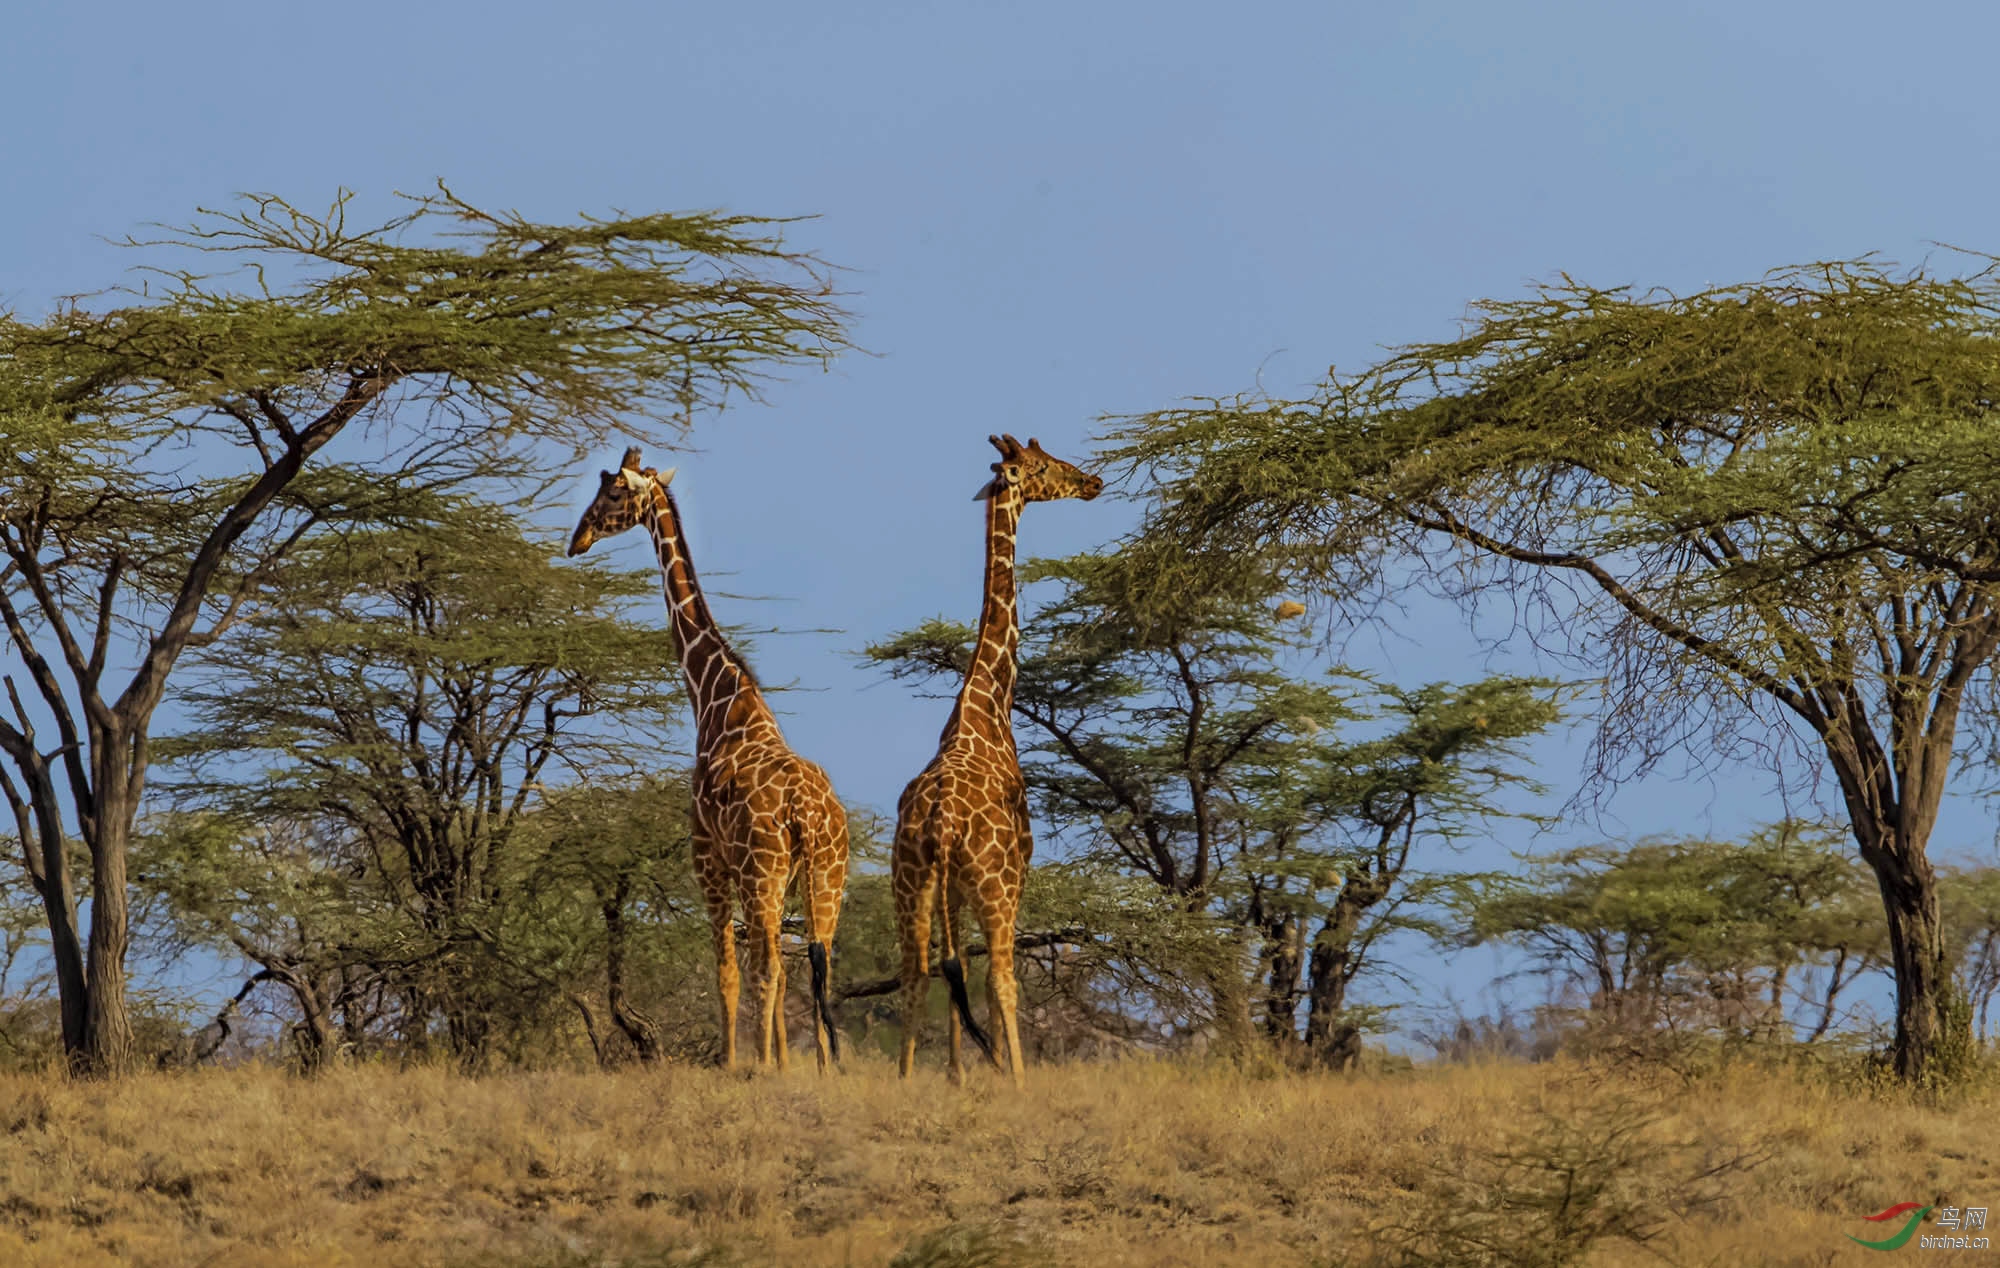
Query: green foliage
1839, 398
395, 709
1694, 933
412, 675
603, 915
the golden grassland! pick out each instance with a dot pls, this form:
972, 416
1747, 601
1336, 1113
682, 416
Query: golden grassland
1130, 1163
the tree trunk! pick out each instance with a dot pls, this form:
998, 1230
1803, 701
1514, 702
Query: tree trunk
39, 821
591, 1030
66, 948
1776, 1026
107, 1049
1282, 982
1931, 1031
1330, 1039
638, 1027
469, 1029
316, 1039
1235, 1030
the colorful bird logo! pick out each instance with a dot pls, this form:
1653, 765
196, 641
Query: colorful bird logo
1909, 1229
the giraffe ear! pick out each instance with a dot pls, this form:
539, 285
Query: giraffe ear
666, 477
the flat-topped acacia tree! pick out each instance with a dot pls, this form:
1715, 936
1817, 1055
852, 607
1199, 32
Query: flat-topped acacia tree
162, 447
1764, 512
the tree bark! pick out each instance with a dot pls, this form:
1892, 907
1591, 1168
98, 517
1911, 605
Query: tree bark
1332, 1041
1285, 951
317, 1042
1926, 1022
107, 1048
1892, 809
638, 1027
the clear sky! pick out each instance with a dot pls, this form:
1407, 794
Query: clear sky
1053, 212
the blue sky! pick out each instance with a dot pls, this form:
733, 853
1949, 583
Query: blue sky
1051, 213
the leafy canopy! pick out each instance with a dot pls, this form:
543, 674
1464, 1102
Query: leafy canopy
1779, 490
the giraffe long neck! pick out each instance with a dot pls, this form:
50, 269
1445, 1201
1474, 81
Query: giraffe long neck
725, 694
986, 700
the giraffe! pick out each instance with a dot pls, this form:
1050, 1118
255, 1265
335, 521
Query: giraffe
762, 815
962, 825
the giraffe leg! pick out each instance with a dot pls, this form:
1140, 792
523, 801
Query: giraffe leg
955, 1069
767, 973
718, 893
913, 925
1002, 993
778, 1043
727, 979
1001, 1045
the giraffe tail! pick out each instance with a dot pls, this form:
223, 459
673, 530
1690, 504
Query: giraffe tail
816, 955
954, 972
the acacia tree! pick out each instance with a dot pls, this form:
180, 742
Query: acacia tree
603, 915
1763, 512
282, 898
166, 447
410, 693
1736, 931
1168, 743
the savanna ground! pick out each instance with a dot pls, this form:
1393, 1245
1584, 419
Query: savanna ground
1135, 1162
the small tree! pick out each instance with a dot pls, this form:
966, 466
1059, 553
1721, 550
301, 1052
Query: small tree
166, 450
1438, 772
608, 909
410, 692
284, 899
1762, 502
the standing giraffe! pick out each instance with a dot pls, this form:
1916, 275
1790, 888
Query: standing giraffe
761, 814
962, 825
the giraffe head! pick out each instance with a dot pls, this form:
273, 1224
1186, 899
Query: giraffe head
1035, 475
620, 501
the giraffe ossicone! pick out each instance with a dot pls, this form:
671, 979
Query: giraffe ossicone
762, 816
962, 828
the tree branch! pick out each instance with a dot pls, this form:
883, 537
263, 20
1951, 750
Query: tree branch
1706, 648
1022, 942
142, 694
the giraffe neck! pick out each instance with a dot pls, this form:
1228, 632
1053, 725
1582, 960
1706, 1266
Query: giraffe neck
725, 695
987, 699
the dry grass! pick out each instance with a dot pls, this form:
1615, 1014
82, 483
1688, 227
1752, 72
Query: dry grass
1097, 1165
